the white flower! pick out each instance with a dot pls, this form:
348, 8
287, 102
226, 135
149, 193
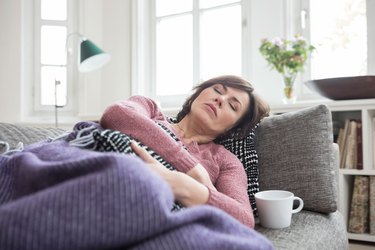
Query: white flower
278, 41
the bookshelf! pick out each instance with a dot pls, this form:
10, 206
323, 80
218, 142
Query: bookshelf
341, 110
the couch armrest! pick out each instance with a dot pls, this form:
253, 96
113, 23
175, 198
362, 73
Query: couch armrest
13, 134
296, 153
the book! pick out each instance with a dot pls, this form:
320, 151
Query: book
350, 156
372, 205
359, 207
343, 134
359, 145
373, 142
340, 138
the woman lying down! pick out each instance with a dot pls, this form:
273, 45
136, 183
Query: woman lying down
54, 195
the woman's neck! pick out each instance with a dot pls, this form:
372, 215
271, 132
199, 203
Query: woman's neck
190, 132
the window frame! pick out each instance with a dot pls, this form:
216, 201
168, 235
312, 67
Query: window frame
143, 72
71, 64
144, 23
304, 5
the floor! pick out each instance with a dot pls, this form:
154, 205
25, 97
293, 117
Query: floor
358, 245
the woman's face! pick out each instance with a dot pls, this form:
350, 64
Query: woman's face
219, 107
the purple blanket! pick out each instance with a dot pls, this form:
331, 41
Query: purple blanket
55, 196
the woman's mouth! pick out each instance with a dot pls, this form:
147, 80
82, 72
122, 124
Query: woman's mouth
212, 108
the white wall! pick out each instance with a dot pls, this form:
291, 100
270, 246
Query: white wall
10, 60
267, 21
106, 22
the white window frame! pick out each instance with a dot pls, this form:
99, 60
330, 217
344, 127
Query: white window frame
144, 51
297, 7
143, 74
32, 61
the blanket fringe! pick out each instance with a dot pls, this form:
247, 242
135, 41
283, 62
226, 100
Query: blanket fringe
84, 137
63, 136
9, 151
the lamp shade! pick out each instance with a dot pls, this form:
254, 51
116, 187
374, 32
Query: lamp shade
92, 57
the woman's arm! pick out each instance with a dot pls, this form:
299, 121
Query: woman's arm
186, 190
136, 117
195, 187
231, 189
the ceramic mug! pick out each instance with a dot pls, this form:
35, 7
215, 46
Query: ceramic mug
275, 208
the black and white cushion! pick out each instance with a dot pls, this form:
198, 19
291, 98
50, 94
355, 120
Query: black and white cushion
246, 152
115, 141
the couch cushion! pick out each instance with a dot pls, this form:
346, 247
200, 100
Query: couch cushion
296, 153
13, 134
309, 230
245, 151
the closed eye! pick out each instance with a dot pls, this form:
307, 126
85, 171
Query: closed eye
217, 90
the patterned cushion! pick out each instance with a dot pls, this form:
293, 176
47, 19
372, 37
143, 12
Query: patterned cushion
296, 153
246, 152
115, 141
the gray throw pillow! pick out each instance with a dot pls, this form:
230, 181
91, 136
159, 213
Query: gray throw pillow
296, 153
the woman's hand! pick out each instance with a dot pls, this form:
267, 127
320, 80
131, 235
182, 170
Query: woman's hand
186, 189
147, 158
200, 174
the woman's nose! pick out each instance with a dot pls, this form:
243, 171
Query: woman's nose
220, 100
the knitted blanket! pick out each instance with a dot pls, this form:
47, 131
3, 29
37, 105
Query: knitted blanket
55, 196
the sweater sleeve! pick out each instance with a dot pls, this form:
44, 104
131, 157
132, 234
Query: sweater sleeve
231, 194
136, 117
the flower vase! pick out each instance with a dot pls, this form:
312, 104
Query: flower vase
289, 93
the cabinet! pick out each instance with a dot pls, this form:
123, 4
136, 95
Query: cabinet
341, 110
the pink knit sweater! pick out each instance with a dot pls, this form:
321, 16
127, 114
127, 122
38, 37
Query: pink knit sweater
136, 117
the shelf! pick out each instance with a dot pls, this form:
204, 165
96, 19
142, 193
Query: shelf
362, 237
357, 171
344, 105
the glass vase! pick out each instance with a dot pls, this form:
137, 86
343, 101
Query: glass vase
289, 93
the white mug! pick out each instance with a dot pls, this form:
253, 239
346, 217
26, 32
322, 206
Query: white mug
275, 208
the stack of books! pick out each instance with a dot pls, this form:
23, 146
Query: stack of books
350, 143
362, 209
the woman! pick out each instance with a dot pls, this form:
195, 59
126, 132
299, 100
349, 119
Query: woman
221, 107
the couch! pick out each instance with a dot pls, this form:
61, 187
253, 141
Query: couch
296, 153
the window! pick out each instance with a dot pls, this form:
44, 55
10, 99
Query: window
339, 32
194, 41
185, 42
53, 75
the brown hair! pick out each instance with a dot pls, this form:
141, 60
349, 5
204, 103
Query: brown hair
257, 109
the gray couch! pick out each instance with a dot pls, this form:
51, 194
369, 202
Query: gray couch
296, 153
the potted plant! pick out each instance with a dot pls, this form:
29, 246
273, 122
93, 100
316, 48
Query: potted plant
288, 57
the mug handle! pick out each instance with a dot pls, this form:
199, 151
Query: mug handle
299, 208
